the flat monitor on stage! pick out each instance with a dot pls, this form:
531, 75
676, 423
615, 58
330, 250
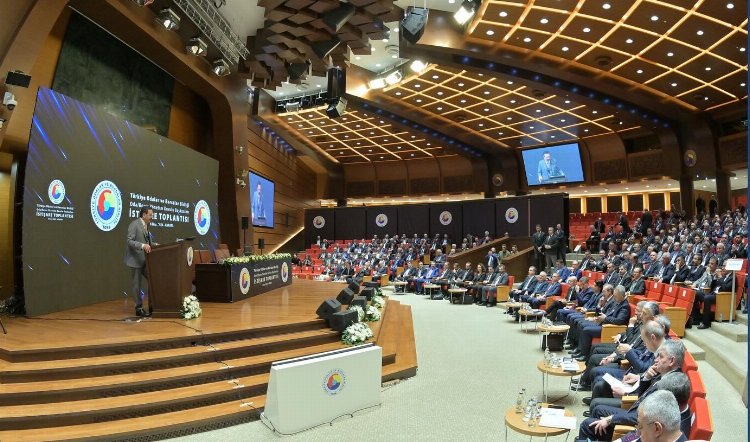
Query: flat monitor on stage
261, 200
553, 165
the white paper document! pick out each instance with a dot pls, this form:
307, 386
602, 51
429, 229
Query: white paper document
613, 382
556, 421
552, 412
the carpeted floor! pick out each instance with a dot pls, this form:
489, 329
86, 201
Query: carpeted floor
472, 362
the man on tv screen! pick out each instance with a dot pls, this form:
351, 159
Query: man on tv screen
547, 170
258, 211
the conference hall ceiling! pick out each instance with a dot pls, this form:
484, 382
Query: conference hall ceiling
519, 74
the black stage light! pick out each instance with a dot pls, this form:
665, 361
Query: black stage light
412, 26
336, 107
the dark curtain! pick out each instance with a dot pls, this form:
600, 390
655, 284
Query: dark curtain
413, 219
548, 210
350, 223
478, 217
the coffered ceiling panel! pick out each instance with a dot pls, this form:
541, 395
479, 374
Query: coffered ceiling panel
360, 137
647, 44
501, 109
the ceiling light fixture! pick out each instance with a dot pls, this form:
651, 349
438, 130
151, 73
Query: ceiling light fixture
490, 32
565, 49
606, 6
544, 21
196, 46
220, 67
587, 29
699, 32
465, 12
503, 14
417, 66
654, 18
377, 83
527, 39
393, 77
629, 41
169, 19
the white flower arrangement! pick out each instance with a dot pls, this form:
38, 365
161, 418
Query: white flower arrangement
360, 312
256, 258
377, 301
372, 314
191, 308
356, 334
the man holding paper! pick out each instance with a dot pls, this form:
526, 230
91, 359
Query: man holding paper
601, 424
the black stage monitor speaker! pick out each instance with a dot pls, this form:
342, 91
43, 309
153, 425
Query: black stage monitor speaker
261, 243
339, 321
245, 223
17, 79
368, 292
328, 308
413, 24
353, 286
345, 297
360, 301
336, 107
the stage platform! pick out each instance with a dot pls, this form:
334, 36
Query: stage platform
98, 372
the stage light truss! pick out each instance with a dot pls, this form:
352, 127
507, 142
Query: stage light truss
214, 28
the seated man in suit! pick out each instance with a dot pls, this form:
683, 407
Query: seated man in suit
431, 272
554, 288
723, 283
447, 277
641, 358
489, 291
667, 411
575, 319
578, 292
541, 286
527, 286
600, 426
637, 284
589, 305
681, 271
617, 314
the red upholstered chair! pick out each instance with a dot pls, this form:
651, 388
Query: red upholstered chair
703, 425
689, 363
697, 388
679, 312
669, 296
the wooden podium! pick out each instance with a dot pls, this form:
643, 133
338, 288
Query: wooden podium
169, 277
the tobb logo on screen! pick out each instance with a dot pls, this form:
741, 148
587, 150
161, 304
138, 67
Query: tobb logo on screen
284, 272
319, 222
511, 215
445, 217
56, 191
381, 220
202, 217
244, 280
334, 381
106, 205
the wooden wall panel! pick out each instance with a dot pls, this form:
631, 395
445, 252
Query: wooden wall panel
294, 189
188, 115
6, 257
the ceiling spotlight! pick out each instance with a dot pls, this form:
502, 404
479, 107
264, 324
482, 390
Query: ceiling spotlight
418, 66
220, 67
196, 46
654, 18
606, 6
544, 21
393, 78
465, 12
377, 83
414, 23
565, 49
699, 32
169, 19
730, 5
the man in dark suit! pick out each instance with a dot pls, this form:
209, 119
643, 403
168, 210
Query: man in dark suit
562, 243
646, 221
554, 288
681, 271
138, 245
637, 284
538, 239
492, 259
527, 286
721, 284
551, 243
600, 426
489, 292
618, 314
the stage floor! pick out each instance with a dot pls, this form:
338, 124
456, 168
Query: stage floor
107, 322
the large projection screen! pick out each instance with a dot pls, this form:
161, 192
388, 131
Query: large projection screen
87, 175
